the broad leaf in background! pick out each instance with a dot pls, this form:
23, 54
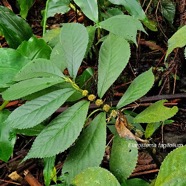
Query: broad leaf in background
135, 10
38, 68
89, 8
151, 128
61, 133
25, 6
95, 176
14, 28
51, 37
74, 41
168, 9
34, 48
7, 137
91, 34
11, 62
113, 57
53, 7
123, 158
136, 182
29, 86
49, 171
172, 171
155, 113
138, 88
123, 25
34, 112
89, 149
177, 40
58, 57
132, 6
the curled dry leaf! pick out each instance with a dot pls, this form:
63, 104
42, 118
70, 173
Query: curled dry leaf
121, 127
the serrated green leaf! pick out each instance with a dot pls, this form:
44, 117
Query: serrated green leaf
89, 149
74, 41
89, 8
95, 176
14, 28
177, 40
123, 159
34, 112
155, 113
49, 169
25, 6
138, 88
34, 131
11, 62
168, 9
61, 133
34, 48
172, 171
123, 25
38, 68
29, 86
113, 57
7, 137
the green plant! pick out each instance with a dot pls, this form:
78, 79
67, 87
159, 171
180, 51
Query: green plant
39, 79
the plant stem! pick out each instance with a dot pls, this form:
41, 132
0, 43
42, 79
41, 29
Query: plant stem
5, 103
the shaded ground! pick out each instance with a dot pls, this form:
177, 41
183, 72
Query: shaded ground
150, 52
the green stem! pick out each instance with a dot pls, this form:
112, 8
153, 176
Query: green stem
5, 103
93, 113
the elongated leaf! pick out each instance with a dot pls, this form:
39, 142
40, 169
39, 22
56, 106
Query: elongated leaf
14, 28
34, 112
60, 133
7, 137
132, 6
53, 7
49, 170
34, 48
138, 88
151, 128
89, 149
124, 26
11, 62
155, 113
172, 171
177, 40
74, 40
113, 57
123, 158
89, 8
95, 176
38, 68
29, 86
25, 6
